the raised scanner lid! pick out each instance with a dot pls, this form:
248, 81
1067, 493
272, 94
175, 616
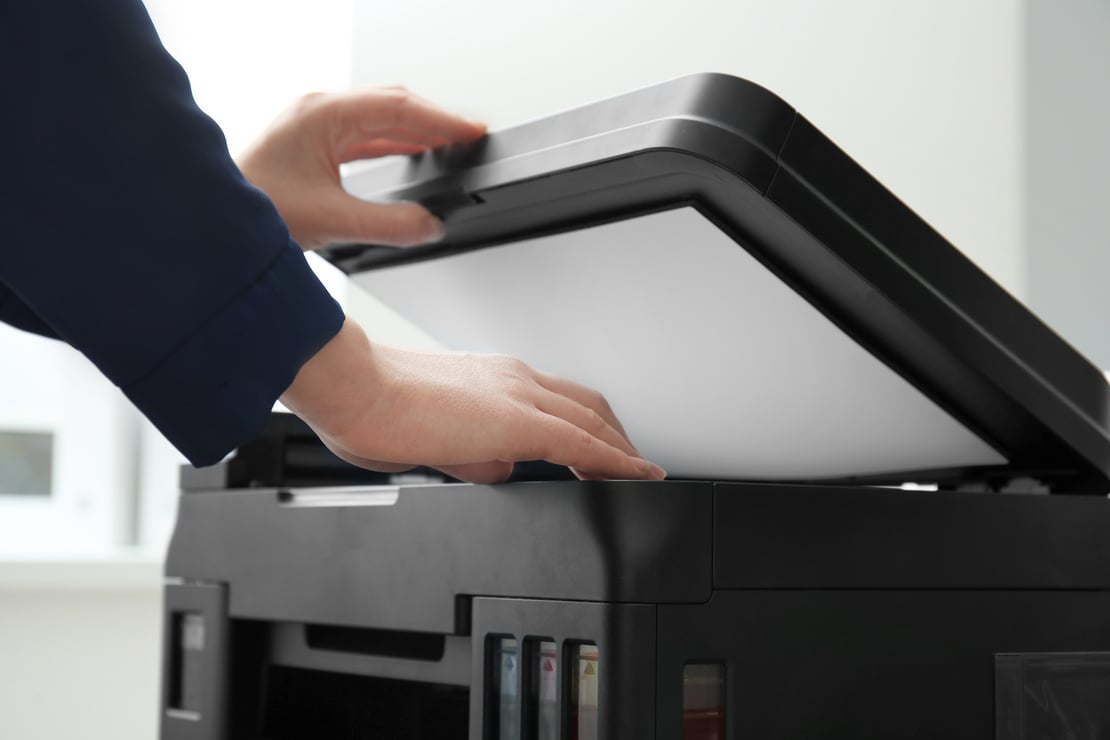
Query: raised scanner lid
716, 368
753, 302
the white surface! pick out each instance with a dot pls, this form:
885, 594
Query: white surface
136, 571
80, 664
715, 366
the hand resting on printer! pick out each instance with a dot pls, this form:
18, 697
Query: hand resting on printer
387, 409
469, 415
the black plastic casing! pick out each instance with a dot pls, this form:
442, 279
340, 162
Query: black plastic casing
836, 611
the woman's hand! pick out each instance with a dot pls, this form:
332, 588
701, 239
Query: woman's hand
471, 416
296, 162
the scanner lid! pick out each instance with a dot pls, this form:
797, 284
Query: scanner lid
754, 305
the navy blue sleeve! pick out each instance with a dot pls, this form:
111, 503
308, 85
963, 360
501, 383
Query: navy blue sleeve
16, 313
129, 232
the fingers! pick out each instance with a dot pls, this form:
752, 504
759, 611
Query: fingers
412, 137
588, 397
391, 141
584, 418
595, 431
561, 442
379, 148
368, 112
389, 224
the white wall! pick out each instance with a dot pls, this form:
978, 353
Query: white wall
79, 650
927, 96
1067, 60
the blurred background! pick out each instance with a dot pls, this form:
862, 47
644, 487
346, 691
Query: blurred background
988, 118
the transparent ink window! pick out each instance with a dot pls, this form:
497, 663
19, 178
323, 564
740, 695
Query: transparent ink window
703, 701
584, 666
504, 688
544, 690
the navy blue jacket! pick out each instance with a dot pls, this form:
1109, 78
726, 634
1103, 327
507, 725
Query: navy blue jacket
129, 233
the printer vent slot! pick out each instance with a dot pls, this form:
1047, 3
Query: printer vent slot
383, 643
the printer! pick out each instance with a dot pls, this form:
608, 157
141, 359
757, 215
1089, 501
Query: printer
886, 513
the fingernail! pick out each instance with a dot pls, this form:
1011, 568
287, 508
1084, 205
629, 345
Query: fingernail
436, 231
652, 470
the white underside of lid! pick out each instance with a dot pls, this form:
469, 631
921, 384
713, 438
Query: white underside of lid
716, 367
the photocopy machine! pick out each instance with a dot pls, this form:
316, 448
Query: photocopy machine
886, 513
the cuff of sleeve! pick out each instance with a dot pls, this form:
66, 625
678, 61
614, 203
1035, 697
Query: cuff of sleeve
217, 389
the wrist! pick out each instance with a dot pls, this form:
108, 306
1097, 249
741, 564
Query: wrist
338, 389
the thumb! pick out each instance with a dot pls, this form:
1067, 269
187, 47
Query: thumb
389, 224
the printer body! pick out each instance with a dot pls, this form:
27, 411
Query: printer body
887, 515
